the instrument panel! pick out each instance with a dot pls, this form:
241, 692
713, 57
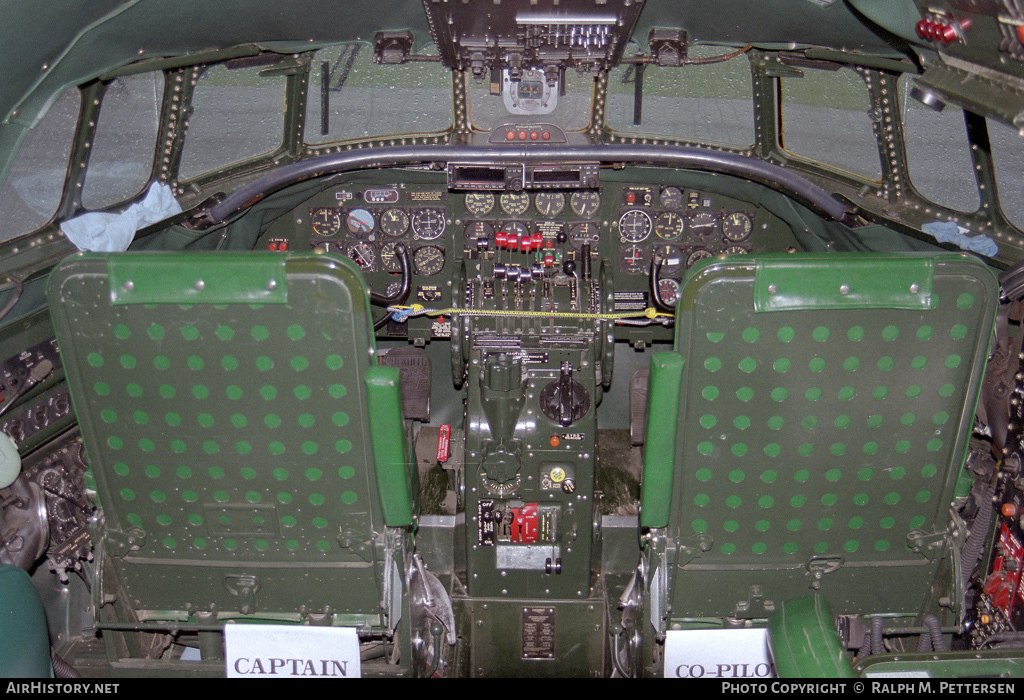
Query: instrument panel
631, 221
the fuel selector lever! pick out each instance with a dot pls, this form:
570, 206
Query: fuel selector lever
565, 400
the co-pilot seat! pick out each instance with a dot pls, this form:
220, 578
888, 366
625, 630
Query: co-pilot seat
249, 454
807, 433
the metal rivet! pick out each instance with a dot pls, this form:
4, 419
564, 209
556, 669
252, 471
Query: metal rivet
845, 289
914, 289
200, 285
129, 285
772, 289
272, 284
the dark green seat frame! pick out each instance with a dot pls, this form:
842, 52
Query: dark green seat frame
249, 454
807, 434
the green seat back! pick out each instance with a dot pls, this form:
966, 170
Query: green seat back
222, 402
810, 427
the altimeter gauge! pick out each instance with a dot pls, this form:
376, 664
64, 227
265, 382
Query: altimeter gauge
394, 223
736, 226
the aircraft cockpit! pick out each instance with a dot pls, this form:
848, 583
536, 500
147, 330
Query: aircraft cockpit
540, 338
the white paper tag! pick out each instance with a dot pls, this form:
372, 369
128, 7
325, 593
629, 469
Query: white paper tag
718, 654
291, 651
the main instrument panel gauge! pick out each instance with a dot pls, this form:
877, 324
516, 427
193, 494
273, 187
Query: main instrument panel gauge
324, 220
428, 260
698, 255
549, 204
479, 203
669, 226
584, 203
668, 290
515, 203
671, 197
633, 259
514, 228
394, 223
737, 226
428, 224
359, 222
477, 230
671, 258
388, 258
364, 255
635, 226
583, 234
703, 226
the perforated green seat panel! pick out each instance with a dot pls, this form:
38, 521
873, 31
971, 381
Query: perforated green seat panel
226, 426
817, 441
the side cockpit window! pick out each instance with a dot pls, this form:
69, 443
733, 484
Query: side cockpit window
352, 98
826, 118
938, 152
123, 148
707, 103
1008, 160
237, 114
31, 193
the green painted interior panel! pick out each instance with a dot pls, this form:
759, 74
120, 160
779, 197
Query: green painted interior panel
811, 282
209, 278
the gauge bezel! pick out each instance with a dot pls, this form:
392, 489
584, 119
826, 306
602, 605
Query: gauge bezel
518, 201
676, 233
385, 223
417, 266
429, 234
644, 220
332, 212
585, 203
473, 207
350, 216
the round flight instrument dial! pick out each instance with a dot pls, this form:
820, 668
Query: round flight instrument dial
703, 226
479, 203
477, 230
428, 260
582, 234
325, 221
364, 255
633, 259
669, 226
514, 228
549, 204
359, 222
668, 290
671, 258
428, 224
515, 203
635, 226
388, 259
671, 197
584, 203
737, 226
698, 255
394, 223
